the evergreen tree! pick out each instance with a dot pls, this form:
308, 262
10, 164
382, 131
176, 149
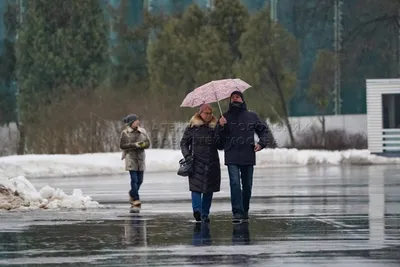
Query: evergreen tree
130, 58
62, 46
229, 17
7, 68
186, 54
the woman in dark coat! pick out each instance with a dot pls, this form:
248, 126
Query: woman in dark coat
200, 137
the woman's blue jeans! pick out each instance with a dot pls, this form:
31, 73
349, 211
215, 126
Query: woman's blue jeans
202, 203
136, 182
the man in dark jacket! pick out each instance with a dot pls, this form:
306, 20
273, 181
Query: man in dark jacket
237, 127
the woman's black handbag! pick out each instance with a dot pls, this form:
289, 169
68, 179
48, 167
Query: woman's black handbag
186, 165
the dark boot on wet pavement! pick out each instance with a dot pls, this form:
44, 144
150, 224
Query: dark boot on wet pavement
197, 216
136, 204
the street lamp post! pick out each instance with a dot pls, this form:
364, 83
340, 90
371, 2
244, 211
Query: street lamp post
337, 47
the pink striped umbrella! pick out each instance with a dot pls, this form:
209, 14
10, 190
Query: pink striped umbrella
214, 91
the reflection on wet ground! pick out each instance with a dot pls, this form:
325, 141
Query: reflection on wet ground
156, 240
358, 226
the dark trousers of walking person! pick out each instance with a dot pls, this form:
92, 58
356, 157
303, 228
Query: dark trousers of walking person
136, 182
201, 203
241, 183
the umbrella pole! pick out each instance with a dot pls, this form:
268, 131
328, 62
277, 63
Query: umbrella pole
219, 106
220, 110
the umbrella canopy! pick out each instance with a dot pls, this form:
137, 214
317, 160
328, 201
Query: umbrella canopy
214, 91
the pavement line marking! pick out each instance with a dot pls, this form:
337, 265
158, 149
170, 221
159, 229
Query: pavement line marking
340, 226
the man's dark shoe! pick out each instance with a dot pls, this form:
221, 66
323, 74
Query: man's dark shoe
237, 218
246, 217
197, 216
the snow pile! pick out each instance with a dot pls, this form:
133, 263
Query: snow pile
167, 160
284, 156
18, 192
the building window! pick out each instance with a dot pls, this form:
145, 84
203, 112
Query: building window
391, 111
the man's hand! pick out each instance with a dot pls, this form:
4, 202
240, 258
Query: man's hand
257, 148
222, 121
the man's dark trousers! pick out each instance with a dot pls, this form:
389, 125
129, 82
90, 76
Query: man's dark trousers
241, 183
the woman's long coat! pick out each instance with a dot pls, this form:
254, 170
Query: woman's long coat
202, 139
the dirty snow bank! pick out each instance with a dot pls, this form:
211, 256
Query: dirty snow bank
19, 193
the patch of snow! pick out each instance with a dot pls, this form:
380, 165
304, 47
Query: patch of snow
19, 193
162, 160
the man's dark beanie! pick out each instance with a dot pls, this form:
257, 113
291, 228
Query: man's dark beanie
237, 92
130, 118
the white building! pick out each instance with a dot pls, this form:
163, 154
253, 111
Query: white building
383, 116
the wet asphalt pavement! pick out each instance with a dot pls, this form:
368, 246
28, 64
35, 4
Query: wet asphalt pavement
336, 216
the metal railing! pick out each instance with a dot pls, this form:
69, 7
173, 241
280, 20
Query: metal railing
391, 140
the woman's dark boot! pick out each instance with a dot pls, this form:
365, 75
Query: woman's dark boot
197, 216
